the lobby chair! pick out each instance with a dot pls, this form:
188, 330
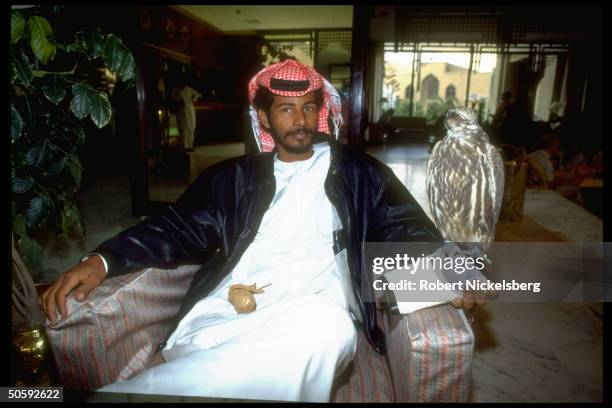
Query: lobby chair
114, 335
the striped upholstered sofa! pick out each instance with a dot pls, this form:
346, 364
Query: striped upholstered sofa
113, 336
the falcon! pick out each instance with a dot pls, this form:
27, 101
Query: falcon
465, 182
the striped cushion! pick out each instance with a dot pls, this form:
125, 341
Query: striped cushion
367, 378
430, 354
113, 334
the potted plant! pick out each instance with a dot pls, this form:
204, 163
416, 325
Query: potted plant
53, 92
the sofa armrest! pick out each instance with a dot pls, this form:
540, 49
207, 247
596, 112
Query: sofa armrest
430, 354
114, 334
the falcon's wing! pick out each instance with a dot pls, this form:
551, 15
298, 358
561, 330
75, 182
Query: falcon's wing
431, 157
495, 164
430, 182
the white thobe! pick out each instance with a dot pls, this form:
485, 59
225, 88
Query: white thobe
301, 335
186, 115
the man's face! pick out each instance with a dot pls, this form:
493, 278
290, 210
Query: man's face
292, 122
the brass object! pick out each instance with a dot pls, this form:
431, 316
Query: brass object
515, 174
241, 297
32, 358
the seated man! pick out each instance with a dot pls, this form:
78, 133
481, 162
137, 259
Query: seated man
385, 121
271, 219
564, 182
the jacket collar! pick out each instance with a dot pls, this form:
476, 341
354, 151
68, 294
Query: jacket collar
264, 166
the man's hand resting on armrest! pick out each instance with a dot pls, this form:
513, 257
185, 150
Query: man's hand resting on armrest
473, 298
467, 302
86, 276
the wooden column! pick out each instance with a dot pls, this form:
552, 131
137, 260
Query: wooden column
359, 60
139, 174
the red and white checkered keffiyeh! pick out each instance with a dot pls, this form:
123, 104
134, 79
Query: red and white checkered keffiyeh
291, 70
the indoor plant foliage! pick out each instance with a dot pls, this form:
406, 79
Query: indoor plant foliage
48, 107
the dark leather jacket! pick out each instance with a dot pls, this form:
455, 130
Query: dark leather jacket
217, 218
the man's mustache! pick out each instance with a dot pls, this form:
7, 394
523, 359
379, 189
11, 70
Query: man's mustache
302, 130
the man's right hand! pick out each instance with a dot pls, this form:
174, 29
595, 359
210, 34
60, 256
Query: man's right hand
86, 276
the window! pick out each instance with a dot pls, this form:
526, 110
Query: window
450, 92
545, 98
429, 88
424, 79
423, 73
408, 92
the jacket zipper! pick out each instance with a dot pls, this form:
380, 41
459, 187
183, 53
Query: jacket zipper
344, 219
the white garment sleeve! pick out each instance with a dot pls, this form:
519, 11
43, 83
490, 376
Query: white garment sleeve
544, 161
84, 258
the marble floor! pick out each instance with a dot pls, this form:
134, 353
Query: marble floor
165, 189
105, 207
525, 352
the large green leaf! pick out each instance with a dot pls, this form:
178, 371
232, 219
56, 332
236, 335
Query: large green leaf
54, 88
118, 58
30, 251
99, 108
22, 185
128, 68
17, 26
94, 43
21, 65
79, 104
114, 53
86, 100
37, 210
16, 124
40, 30
38, 155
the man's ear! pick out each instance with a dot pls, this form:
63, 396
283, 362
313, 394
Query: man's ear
263, 118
